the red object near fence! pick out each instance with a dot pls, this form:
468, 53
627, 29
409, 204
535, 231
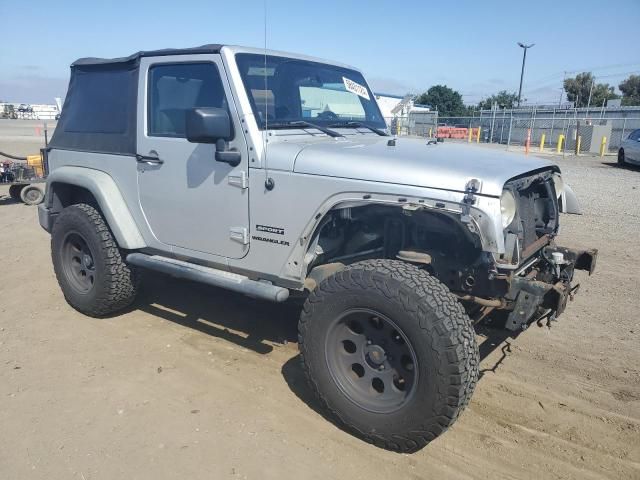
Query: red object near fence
456, 132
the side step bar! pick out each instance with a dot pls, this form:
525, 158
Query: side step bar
210, 276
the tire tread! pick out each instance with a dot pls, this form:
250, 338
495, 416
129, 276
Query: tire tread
120, 280
452, 334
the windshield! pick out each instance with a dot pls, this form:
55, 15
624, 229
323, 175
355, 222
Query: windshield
289, 90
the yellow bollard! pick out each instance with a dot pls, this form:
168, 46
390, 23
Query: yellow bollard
578, 143
430, 132
478, 135
542, 139
603, 146
560, 143
470, 133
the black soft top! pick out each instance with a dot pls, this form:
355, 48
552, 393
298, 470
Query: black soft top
135, 58
100, 110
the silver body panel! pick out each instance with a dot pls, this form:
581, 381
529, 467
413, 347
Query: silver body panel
190, 191
412, 162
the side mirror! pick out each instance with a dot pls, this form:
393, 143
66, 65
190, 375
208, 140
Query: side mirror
207, 125
212, 125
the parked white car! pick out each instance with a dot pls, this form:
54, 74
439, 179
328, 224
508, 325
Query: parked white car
630, 149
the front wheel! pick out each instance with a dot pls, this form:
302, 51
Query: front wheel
621, 157
88, 264
389, 352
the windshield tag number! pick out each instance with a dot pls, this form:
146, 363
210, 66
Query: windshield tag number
356, 88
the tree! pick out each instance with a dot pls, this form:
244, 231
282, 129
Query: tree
630, 89
503, 98
448, 102
583, 84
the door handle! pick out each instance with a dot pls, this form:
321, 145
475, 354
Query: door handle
151, 159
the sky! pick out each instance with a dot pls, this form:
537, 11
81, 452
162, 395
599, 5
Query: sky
401, 46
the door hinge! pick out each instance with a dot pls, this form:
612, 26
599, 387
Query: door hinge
239, 234
239, 180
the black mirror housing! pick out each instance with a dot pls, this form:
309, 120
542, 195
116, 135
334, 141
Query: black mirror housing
208, 125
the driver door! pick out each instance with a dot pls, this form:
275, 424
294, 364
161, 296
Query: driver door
190, 201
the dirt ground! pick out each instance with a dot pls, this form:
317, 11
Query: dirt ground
198, 383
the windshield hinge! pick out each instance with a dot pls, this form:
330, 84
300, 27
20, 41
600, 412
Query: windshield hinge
469, 199
239, 234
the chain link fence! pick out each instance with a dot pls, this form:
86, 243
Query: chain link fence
546, 130
423, 124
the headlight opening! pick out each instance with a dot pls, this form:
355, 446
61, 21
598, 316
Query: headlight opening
507, 208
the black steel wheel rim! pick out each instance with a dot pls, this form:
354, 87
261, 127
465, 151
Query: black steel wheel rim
371, 360
78, 262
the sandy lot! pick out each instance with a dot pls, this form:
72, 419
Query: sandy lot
195, 382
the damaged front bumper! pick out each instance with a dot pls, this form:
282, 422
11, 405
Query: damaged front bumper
541, 292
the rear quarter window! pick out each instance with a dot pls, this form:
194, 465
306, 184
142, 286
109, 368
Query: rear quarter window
99, 106
99, 112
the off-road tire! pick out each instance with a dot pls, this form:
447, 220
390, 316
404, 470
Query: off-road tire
621, 160
14, 192
115, 283
433, 321
32, 195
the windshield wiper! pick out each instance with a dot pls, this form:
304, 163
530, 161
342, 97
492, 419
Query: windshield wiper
304, 124
359, 125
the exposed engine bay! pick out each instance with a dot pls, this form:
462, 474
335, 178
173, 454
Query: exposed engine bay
531, 281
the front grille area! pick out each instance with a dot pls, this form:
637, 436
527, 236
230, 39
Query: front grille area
537, 208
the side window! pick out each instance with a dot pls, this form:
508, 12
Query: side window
173, 89
635, 135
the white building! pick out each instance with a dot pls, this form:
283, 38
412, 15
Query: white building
34, 111
398, 106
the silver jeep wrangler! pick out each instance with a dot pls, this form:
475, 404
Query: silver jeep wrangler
268, 173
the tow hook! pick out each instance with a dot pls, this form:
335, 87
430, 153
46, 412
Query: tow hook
550, 317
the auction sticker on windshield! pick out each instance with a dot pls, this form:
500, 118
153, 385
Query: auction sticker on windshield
356, 88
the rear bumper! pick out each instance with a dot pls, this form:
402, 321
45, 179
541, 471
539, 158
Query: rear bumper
544, 291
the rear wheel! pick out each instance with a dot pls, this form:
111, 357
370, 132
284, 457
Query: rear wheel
389, 352
88, 263
621, 160
14, 192
32, 195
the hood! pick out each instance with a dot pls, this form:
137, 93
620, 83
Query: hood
446, 166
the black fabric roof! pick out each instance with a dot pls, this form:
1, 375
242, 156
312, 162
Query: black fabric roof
135, 58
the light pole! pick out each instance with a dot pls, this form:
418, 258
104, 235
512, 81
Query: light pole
524, 59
